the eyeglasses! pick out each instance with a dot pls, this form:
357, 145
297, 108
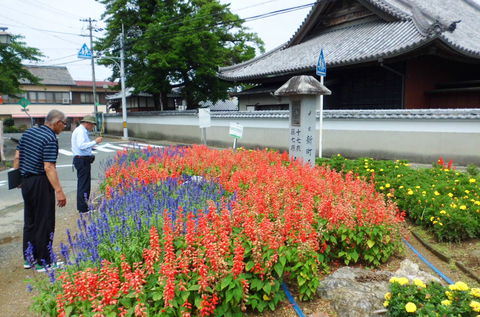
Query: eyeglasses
64, 122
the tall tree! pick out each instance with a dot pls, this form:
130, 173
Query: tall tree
177, 43
11, 70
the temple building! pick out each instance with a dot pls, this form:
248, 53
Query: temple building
380, 54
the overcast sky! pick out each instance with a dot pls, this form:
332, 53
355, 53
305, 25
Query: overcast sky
54, 27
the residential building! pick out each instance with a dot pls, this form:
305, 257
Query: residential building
380, 54
57, 90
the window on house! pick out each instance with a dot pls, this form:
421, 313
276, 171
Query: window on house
86, 98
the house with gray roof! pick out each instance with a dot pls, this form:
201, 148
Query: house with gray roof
56, 90
380, 54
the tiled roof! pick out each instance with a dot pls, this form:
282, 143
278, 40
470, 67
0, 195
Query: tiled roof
51, 75
454, 22
128, 92
221, 105
414, 114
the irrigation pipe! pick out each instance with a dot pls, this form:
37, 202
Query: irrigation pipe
443, 276
292, 301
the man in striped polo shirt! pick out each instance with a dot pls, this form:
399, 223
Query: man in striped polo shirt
36, 156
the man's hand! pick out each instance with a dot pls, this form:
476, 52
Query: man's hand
61, 198
99, 139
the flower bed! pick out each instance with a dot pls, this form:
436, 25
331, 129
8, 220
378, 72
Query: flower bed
441, 199
433, 299
196, 231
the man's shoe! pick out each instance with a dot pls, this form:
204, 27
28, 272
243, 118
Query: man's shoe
55, 266
27, 265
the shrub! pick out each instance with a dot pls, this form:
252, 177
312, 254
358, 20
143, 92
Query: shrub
8, 122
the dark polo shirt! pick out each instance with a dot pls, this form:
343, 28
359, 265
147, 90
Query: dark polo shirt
37, 145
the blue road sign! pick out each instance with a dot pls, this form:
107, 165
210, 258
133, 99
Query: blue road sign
85, 52
321, 65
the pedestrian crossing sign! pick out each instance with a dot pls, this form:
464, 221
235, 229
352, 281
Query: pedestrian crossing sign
321, 65
85, 52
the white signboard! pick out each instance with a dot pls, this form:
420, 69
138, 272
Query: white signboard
236, 130
204, 120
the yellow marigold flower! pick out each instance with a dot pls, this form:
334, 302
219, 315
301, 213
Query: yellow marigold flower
449, 294
475, 306
443, 212
459, 286
381, 170
450, 195
417, 186
475, 292
467, 191
396, 166
403, 281
387, 185
401, 186
472, 180
407, 164
388, 296
463, 207
339, 154
437, 193
382, 188
410, 307
432, 218
419, 283
410, 192
446, 302
389, 195
386, 303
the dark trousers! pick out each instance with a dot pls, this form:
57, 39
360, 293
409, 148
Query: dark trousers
39, 217
83, 167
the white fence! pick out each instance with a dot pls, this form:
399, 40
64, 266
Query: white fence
415, 135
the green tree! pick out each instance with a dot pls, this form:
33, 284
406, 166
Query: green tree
11, 69
177, 43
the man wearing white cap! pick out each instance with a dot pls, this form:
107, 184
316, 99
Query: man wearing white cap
82, 159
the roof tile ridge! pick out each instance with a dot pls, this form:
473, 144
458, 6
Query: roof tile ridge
388, 7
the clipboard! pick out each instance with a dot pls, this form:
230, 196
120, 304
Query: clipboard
14, 178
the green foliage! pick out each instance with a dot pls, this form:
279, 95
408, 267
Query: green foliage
432, 299
472, 170
11, 68
12, 129
441, 199
8, 122
370, 246
179, 43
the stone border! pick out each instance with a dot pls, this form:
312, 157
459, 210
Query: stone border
445, 258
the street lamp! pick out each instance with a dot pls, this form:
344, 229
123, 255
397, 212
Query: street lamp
5, 37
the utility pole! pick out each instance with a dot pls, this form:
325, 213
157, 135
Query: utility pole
122, 80
90, 28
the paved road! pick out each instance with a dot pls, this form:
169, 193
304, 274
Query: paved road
11, 202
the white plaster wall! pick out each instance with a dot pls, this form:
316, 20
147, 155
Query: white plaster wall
422, 141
